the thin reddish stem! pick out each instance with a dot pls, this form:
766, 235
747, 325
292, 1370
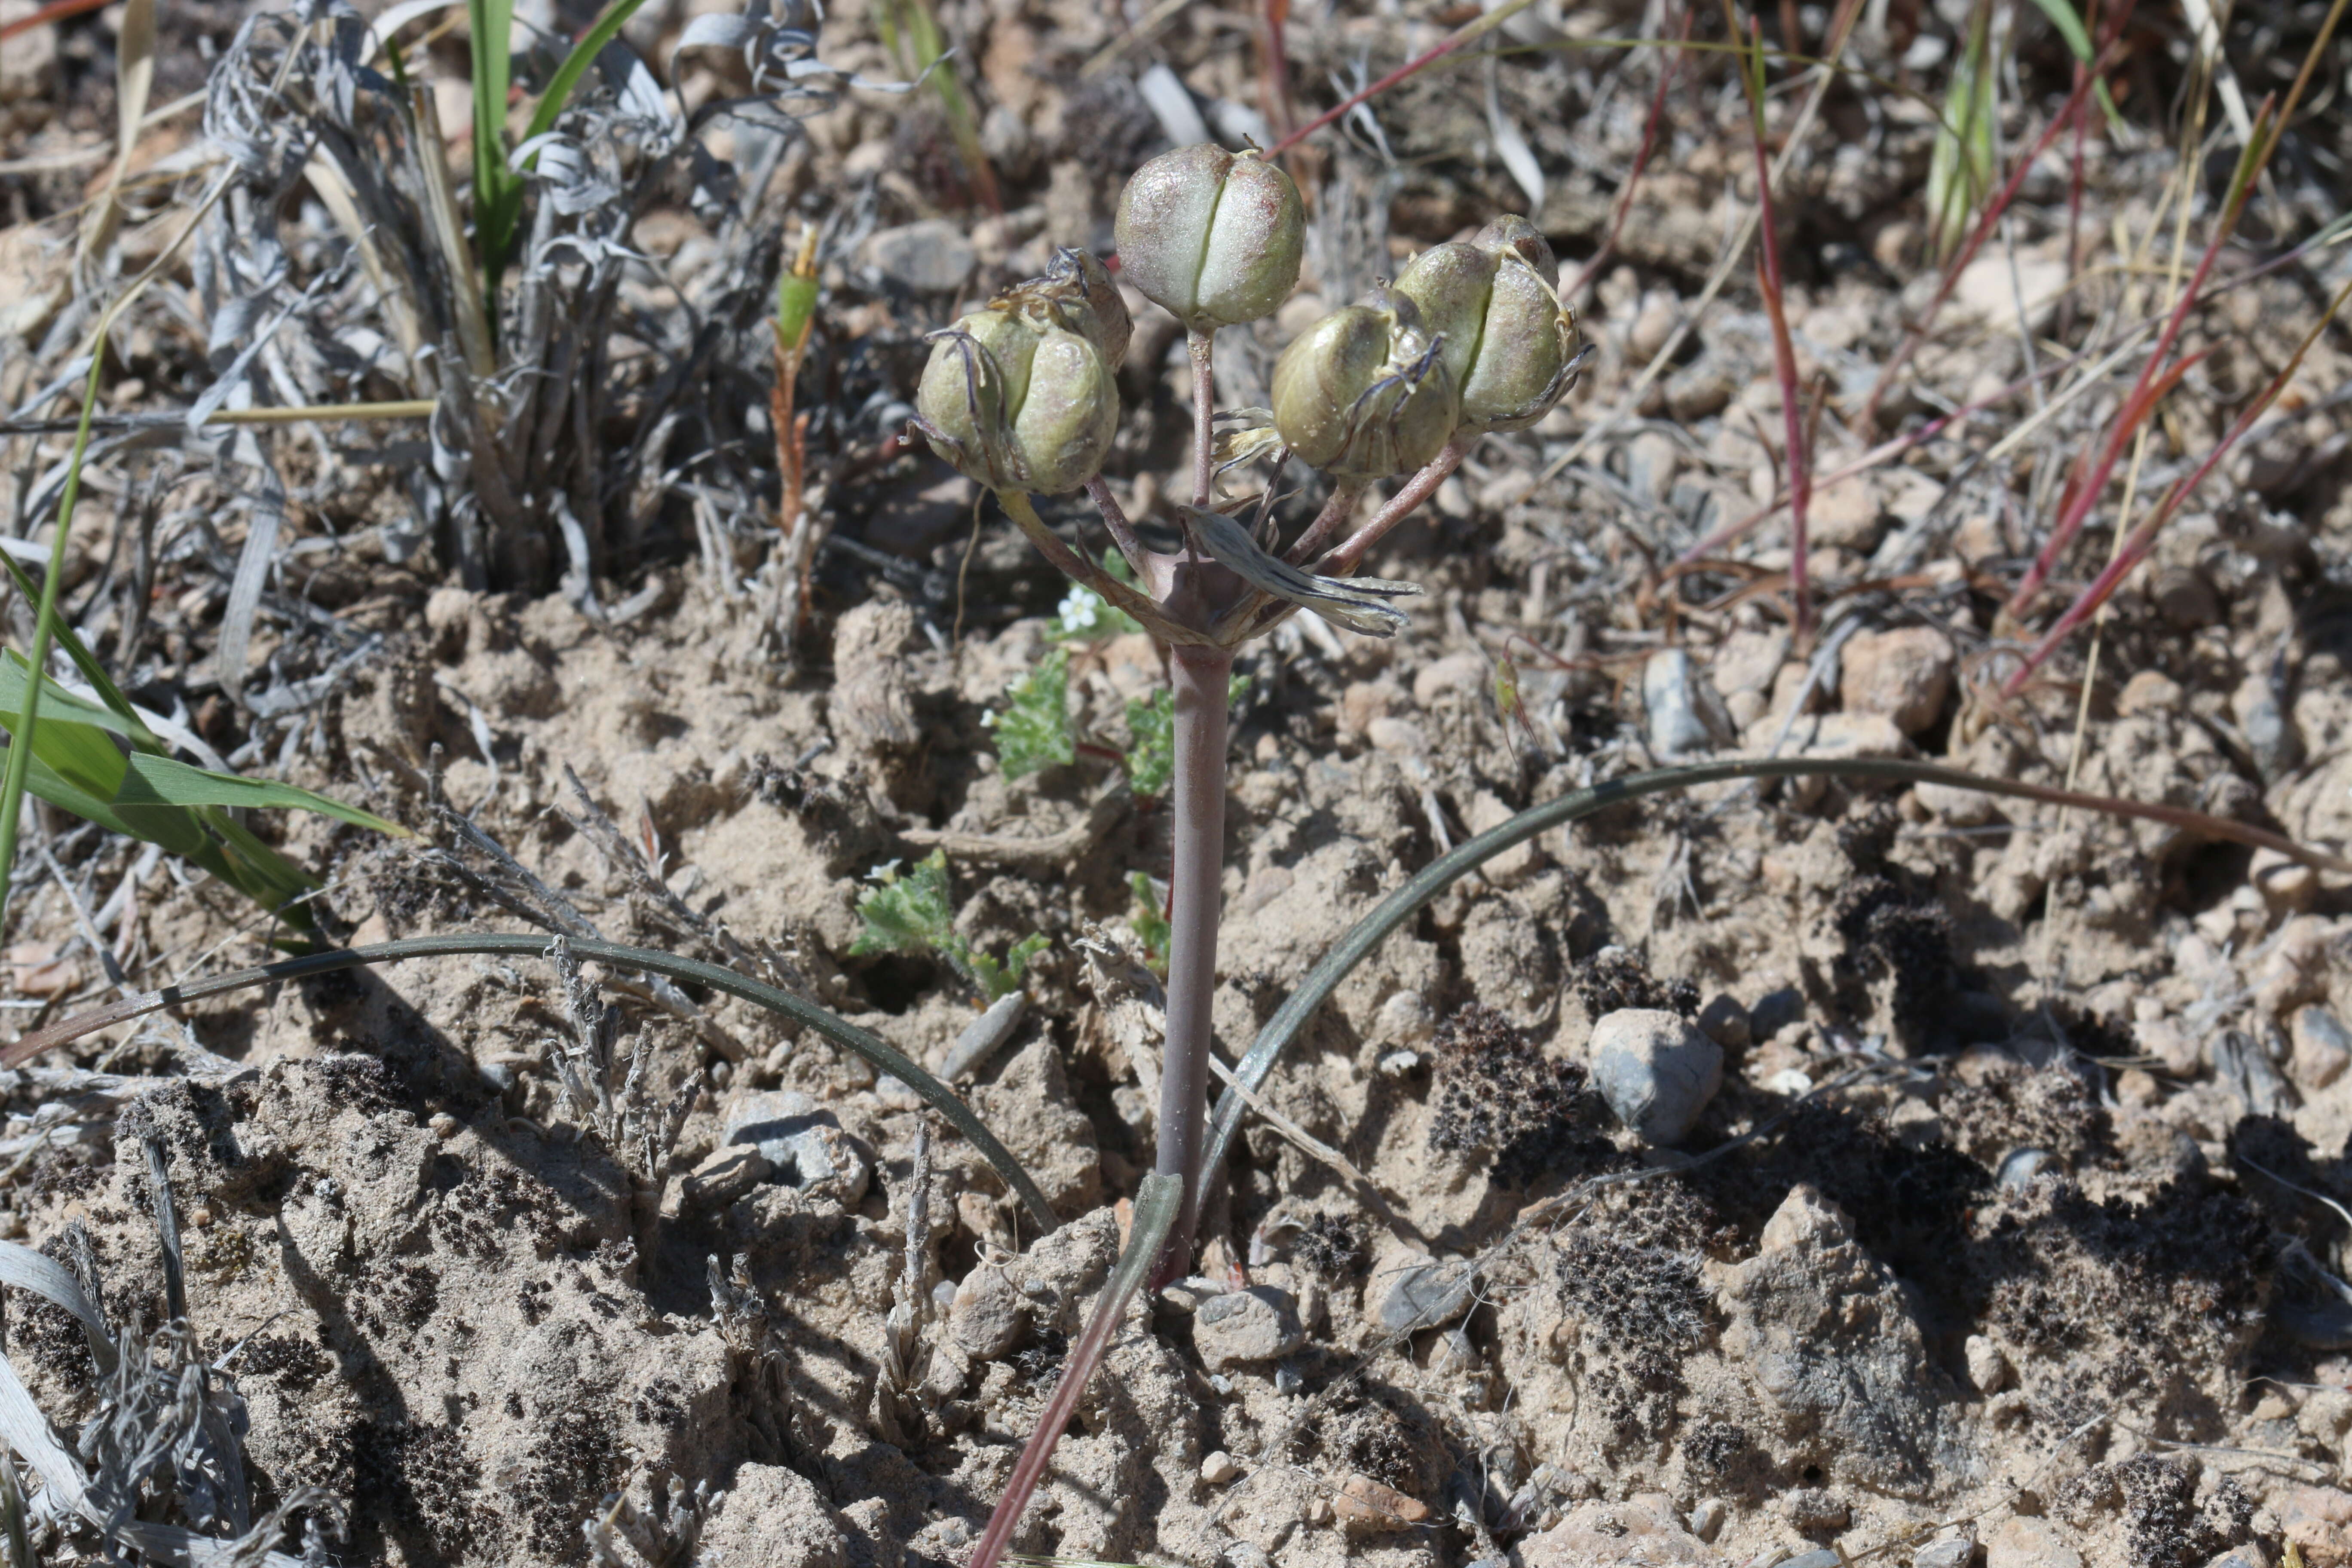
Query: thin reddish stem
2134, 549
2141, 403
1641, 159
1416, 490
1975, 242
1330, 521
56, 12
1413, 66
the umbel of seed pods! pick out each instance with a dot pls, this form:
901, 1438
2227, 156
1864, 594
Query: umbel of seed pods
1472, 337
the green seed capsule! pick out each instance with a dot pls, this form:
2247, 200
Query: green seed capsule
1211, 237
1018, 404
1362, 395
1506, 338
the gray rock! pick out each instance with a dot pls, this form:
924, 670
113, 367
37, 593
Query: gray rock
2321, 1049
989, 1315
2269, 728
771, 1518
1824, 1558
1655, 1070
984, 1036
1684, 714
1952, 1552
933, 256
725, 1175
1829, 1337
805, 1145
1241, 1327
1425, 1295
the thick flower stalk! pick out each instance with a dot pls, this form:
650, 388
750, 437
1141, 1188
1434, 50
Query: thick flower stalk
1021, 396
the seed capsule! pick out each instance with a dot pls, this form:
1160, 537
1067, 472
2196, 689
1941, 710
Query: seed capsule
1364, 393
1211, 236
1506, 340
1018, 404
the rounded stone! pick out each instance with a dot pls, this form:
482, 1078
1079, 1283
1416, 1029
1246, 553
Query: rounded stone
1244, 1326
1656, 1071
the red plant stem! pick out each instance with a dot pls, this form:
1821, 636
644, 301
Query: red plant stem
1329, 522
1079, 1366
1784, 365
1419, 63
1640, 161
1204, 414
1975, 242
56, 12
1277, 66
1416, 490
1201, 676
2142, 401
2134, 549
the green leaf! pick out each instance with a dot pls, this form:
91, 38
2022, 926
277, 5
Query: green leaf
909, 913
1150, 925
1960, 162
1151, 738
912, 913
497, 190
795, 306
575, 66
1032, 734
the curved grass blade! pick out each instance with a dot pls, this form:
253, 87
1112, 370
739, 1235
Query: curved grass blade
575, 66
1291, 1020
840, 1031
1158, 1201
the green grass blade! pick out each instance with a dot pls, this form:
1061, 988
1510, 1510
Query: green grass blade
18, 772
840, 1031
496, 190
575, 66
135, 728
166, 780
1291, 1018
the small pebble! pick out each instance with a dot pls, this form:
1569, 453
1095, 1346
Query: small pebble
984, 1036
444, 1125
1952, 1552
1725, 1021
1425, 1295
1988, 1368
1655, 1070
1219, 1468
1244, 1326
1707, 1517
2323, 1048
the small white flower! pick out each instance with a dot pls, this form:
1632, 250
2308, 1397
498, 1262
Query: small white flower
1081, 610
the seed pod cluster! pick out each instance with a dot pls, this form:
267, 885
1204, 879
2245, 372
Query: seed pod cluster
1472, 337
1021, 394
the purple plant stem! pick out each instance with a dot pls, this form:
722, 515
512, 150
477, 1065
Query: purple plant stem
1200, 676
1336, 511
1204, 414
1416, 490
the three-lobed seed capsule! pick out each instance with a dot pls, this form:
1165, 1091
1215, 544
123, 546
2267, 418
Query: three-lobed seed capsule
1020, 395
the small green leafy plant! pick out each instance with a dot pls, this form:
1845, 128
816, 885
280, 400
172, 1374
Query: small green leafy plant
1033, 732
912, 913
1151, 738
